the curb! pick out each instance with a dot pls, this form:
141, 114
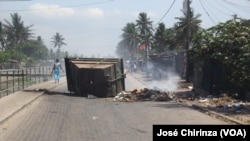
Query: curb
39, 94
218, 115
22, 107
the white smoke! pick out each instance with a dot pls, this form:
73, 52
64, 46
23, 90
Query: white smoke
168, 81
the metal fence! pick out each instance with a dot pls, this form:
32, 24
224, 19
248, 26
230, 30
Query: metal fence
13, 80
213, 78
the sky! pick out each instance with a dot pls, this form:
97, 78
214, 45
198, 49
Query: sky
93, 28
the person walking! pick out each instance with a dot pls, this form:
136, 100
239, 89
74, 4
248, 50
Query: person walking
56, 70
135, 67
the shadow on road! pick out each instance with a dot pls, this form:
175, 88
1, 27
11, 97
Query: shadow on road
48, 92
170, 105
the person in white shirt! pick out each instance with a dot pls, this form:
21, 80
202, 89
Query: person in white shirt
56, 70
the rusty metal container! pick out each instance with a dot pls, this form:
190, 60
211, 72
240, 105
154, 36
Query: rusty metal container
101, 77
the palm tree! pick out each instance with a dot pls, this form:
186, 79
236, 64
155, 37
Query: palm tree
164, 39
2, 40
159, 38
131, 37
15, 30
182, 25
145, 28
58, 41
39, 39
186, 28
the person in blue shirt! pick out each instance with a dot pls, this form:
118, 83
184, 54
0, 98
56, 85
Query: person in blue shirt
56, 70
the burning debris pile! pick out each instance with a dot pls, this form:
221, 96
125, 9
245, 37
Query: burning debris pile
144, 95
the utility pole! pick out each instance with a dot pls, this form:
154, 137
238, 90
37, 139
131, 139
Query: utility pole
234, 17
187, 4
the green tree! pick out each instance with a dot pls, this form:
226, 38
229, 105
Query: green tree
52, 54
35, 50
2, 37
145, 28
171, 39
131, 38
186, 27
165, 39
159, 39
228, 43
4, 56
16, 31
58, 42
182, 26
122, 50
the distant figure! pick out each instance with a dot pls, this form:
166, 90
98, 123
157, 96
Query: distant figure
56, 70
131, 66
135, 67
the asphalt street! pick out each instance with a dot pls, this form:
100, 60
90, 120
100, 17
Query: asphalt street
63, 117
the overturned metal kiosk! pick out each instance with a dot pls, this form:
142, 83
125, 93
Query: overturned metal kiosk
100, 77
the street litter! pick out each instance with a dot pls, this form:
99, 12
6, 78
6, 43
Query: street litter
91, 96
143, 95
224, 104
94, 118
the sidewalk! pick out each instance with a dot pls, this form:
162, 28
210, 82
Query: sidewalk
13, 103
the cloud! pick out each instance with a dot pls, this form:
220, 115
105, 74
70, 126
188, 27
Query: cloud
51, 10
92, 13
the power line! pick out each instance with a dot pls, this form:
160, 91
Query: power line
79, 5
208, 8
218, 9
224, 6
240, 7
167, 11
206, 12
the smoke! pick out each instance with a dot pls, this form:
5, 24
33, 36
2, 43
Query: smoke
167, 80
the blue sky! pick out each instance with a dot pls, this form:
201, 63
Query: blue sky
94, 27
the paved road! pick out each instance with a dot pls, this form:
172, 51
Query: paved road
61, 117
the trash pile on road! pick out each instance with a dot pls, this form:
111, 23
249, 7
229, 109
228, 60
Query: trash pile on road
144, 94
222, 103
225, 104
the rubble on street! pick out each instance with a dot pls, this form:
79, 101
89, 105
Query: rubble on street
144, 94
225, 104
222, 103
